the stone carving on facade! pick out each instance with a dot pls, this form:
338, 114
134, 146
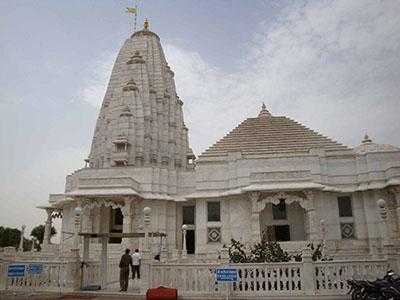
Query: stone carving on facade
214, 234
98, 202
305, 199
395, 190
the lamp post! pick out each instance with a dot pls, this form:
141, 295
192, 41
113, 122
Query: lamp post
147, 221
184, 250
33, 244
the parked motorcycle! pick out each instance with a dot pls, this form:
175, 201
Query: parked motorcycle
387, 288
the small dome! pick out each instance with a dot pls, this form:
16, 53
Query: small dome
368, 146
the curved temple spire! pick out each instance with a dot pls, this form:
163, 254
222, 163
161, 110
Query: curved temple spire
141, 120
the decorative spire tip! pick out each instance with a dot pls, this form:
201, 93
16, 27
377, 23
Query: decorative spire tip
264, 112
146, 24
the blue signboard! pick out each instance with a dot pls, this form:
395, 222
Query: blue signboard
227, 275
35, 269
16, 270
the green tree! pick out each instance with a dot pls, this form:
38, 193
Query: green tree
38, 233
9, 237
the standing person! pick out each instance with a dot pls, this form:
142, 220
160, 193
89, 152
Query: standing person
126, 261
136, 257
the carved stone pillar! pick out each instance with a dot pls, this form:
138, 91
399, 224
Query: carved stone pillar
86, 218
21, 239
77, 227
396, 192
309, 207
127, 213
47, 228
255, 217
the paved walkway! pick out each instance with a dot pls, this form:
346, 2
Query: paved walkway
133, 287
133, 293
125, 296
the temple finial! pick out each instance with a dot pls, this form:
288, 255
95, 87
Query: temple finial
264, 112
146, 24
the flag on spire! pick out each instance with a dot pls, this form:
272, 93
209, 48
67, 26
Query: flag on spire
131, 10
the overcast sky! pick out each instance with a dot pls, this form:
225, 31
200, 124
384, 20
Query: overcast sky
332, 65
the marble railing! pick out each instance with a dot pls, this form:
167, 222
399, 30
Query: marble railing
267, 279
189, 279
271, 279
331, 276
198, 279
49, 276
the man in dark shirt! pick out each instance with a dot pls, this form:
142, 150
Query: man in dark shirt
126, 261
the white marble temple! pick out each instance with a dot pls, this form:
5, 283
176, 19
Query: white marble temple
140, 157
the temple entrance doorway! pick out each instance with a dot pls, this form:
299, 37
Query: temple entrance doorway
188, 219
116, 223
190, 241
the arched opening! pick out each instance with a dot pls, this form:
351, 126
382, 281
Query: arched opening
282, 222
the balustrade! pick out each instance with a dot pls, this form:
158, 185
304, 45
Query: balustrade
261, 279
331, 276
267, 279
53, 277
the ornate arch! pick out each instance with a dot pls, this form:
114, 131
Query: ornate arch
305, 199
92, 203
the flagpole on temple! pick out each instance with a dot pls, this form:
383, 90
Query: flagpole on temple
134, 11
135, 20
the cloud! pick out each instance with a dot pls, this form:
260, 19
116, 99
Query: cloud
333, 65
24, 189
95, 83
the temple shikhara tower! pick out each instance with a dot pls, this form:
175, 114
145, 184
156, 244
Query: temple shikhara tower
270, 178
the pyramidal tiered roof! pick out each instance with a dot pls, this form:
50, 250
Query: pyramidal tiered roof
267, 134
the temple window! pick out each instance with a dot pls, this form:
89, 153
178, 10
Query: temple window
279, 210
347, 229
345, 208
213, 211
120, 147
188, 215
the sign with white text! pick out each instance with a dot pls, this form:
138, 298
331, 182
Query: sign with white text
35, 269
16, 270
226, 275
